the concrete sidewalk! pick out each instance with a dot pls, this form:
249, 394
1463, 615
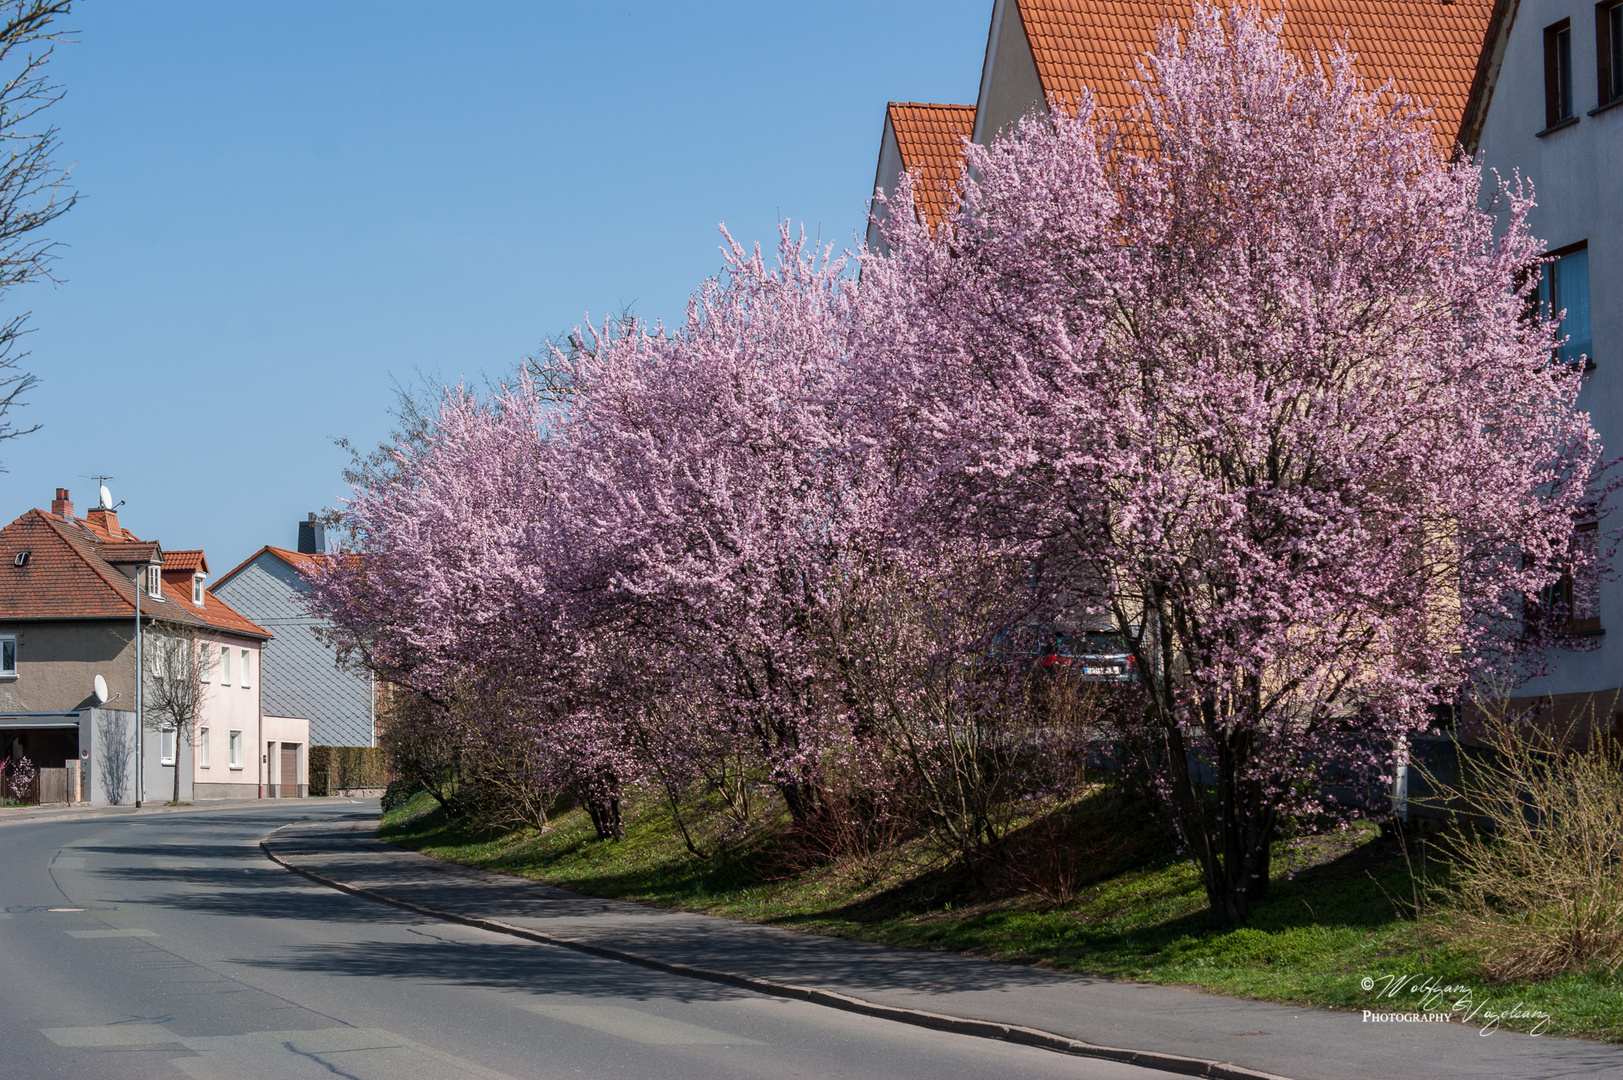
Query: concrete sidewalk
20, 815
1182, 1030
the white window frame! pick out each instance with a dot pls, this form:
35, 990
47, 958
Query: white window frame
155, 582
169, 744
235, 744
202, 748
225, 665
205, 661
246, 670
197, 590
8, 644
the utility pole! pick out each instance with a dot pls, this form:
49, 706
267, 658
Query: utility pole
140, 729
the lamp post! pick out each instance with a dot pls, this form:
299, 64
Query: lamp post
140, 730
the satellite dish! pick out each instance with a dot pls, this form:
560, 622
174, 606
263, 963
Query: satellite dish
101, 690
106, 497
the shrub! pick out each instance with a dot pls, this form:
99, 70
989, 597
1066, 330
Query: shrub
1538, 878
336, 768
399, 793
21, 781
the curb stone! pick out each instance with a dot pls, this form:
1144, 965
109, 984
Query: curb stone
984, 1029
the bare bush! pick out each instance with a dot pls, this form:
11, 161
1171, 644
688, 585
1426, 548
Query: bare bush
1538, 878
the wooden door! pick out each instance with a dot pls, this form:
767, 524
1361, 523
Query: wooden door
289, 772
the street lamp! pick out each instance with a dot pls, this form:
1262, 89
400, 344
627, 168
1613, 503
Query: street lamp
140, 730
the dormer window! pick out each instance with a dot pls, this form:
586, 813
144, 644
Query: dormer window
155, 582
197, 590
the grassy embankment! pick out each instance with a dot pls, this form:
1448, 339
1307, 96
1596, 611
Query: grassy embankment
1128, 908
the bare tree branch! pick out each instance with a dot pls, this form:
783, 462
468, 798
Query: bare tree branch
33, 190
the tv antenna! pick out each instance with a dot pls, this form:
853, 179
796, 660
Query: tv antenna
105, 496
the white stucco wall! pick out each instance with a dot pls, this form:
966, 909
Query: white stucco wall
1010, 85
229, 706
1579, 185
886, 178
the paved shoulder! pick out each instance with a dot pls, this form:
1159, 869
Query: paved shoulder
1151, 1025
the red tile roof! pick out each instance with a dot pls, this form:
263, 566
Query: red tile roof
124, 552
1429, 48
190, 561
69, 575
931, 140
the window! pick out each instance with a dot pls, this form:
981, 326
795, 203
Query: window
205, 662
1565, 287
197, 590
8, 658
236, 749
1574, 599
155, 582
203, 747
169, 746
1609, 52
1558, 73
243, 682
225, 665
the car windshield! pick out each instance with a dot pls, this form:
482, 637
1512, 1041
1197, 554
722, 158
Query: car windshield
1104, 643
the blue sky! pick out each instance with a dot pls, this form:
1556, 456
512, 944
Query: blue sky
288, 207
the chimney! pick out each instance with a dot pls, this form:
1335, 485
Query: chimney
312, 541
60, 506
104, 519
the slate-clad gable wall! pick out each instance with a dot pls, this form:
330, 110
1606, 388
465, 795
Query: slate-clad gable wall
300, 674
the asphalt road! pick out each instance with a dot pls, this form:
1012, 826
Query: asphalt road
168, 946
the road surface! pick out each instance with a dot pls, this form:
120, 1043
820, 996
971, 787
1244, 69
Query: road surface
169, 946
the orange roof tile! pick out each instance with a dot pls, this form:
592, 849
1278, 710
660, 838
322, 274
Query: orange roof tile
1429, 48
218, 613
70, 574
931, 140
190, 561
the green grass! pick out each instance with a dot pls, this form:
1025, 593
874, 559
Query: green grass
1129, 907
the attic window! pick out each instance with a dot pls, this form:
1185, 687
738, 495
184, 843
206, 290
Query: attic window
21, 558
197, 590
155, 582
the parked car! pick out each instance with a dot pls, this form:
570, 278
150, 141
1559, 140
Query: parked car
1096, 655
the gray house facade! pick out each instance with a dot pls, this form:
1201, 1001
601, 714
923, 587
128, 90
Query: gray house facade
300, 676
1547, 102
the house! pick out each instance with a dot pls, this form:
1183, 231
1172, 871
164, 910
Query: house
69, 647
302, 676
926, 140
1547, 102
1038, 50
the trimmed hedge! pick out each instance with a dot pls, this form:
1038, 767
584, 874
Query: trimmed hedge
336, 768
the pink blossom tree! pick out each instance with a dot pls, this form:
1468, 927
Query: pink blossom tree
453, 595
713, 501
1252, 374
